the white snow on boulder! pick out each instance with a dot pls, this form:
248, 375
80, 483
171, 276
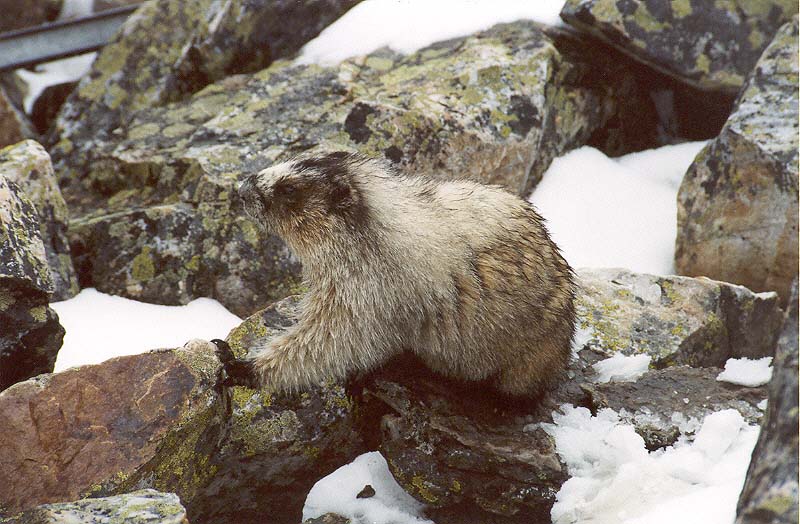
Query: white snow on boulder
747, 372
621, 368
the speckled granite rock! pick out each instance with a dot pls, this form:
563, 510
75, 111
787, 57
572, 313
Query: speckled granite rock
497, 107
738, 203
148, 420
18, 15
675, 320
31, 335
28, 165
146, 506
275, 447
770, 491
711, 45
146, 65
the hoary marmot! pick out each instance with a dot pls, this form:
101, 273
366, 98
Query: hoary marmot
463, 275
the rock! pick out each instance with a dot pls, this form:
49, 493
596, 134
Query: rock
662, 404
28, 165
18, 15
712, 46
770, 489
275, 447
14, 125
146, 66
146, 506
47, 104
676, 320
328, 518
499, 106
102, 5
738, 203
31, 335
148, 420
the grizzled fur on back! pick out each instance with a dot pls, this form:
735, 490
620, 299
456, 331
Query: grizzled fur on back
463, 275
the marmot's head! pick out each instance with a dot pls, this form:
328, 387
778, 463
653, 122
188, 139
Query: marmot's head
305, 201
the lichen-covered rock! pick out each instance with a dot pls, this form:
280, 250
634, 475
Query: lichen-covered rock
28, 165
172, 48
711, 45
14, 125
146, 506
275, 447
663, 404
770, 491
18, 15
675, 320
31, 335
148, 420
738, 203
329, 518
495, 107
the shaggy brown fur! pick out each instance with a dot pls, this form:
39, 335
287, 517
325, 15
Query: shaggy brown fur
463, 275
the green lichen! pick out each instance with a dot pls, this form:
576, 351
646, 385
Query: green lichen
681, 8
142, 267
422, 488
39, 313
778, 504
6, 299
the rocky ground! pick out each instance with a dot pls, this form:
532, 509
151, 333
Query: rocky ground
129, 189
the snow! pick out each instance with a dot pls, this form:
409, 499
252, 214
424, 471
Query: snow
747, 372
409, 25
100, 326
337, 492
615, 212
615, 480
621, 368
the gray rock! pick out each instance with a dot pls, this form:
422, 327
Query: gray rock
28, 165
31, 335
146, 506
738, 203
675, 320
710, 45
770, 490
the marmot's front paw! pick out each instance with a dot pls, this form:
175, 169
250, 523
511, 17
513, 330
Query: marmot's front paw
236, 372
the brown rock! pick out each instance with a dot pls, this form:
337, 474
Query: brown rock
14, 125
17, 15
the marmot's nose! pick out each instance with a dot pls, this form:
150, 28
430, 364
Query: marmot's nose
244, 184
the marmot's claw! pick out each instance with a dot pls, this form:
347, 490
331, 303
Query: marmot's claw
235, 372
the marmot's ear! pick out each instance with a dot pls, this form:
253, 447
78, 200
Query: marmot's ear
342, 195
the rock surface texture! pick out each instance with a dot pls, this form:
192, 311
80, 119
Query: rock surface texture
14, 125
738, 203
146, 506
18, 15
770, 494
710, 45
28, 165
31, 335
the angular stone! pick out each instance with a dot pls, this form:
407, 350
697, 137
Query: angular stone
676, 320
18, 15
275, 447
738, 203
497, 107
770, 491
28, 165
31, 335
146, 506
14, 125
710, 45
170, 49
148, 420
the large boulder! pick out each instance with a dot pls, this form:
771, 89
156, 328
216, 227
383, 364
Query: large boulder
710, 45
146, 506
495, 107
149, 420
28, 165
170, 49
738, 203
770, 494
31, 335
674, 320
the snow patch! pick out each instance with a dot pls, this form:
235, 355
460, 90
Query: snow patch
747, 372
621, 368
409, 25
615, 480
101, 326
615, 212
337, 492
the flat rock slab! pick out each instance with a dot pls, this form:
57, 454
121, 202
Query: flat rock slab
710, 45
738, 203
146, 506
141, 420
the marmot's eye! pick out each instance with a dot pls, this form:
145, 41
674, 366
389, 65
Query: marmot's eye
284, 190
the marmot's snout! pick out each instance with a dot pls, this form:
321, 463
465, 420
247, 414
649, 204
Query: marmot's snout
256, 201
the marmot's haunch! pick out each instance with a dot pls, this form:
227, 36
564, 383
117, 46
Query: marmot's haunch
463, 275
